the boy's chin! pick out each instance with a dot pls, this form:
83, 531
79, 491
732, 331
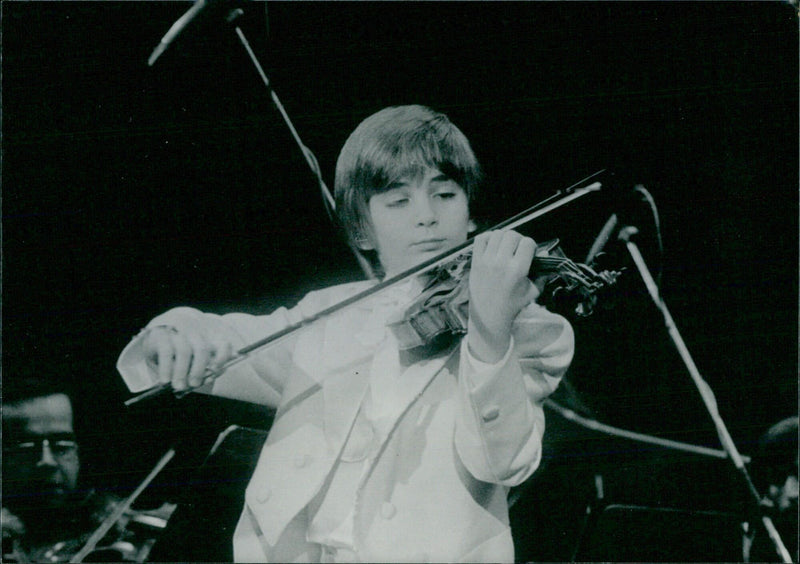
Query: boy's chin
426, 253
412, 261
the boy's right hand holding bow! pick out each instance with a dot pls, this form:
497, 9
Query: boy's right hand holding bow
185, 358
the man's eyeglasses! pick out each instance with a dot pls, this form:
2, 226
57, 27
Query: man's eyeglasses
60, 448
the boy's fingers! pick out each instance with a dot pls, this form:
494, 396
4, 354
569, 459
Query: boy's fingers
183, 360
526, 249
493, 239
201, 357
222, 351
480, 244
508, 243
165, 357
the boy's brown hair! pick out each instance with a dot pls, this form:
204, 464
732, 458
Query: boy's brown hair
394, 143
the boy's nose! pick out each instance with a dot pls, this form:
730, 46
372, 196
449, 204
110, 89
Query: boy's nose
47, 458
426, 215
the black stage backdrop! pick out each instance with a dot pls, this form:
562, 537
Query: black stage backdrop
129, 189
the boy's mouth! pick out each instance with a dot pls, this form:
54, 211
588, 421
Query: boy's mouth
429, 244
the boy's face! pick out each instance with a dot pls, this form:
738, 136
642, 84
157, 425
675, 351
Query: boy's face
418, 218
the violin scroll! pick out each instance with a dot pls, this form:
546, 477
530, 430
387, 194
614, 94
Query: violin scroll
575, 288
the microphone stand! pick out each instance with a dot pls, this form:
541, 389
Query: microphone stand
625, 235
231, 16
311, 159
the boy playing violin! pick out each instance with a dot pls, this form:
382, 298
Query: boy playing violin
376, 456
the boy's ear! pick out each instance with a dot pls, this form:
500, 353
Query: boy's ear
471, 226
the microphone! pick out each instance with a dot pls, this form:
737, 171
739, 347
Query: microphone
626, 208
627, 232
602, 238
195, 12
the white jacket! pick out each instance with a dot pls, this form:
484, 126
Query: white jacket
461, 431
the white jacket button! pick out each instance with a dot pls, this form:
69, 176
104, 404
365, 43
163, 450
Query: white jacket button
490, 414
302, 460
264, 495
388, 510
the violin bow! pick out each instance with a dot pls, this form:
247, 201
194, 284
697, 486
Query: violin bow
547, 205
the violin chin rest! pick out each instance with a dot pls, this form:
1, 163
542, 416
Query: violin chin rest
440, 343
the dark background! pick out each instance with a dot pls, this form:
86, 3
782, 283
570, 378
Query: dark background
129, 189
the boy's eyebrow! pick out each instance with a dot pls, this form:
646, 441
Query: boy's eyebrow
441, 177
401, 182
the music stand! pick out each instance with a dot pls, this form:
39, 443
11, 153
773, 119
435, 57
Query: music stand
201, 529
633, 533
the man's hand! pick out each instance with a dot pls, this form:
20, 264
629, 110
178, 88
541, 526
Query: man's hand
13, 527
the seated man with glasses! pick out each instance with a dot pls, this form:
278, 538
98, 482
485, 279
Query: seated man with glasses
43, 507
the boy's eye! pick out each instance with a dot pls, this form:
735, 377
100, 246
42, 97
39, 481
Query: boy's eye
397, 202
445, 195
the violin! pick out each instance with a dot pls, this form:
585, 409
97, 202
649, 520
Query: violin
440, 312
572, 278
130, 540
112, 520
